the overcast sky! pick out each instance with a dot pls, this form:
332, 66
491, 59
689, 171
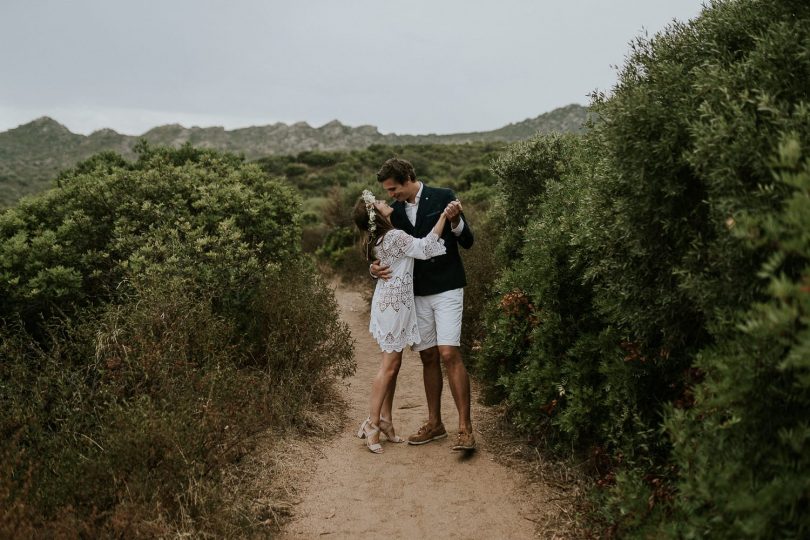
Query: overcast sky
416, 66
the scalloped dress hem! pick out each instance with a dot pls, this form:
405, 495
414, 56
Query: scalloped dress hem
399, 346
409, 344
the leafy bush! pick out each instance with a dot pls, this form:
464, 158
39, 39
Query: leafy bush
742, 450
524, 169
691, 131
481, 268
74, 246
340, 245
160, 314
642, 252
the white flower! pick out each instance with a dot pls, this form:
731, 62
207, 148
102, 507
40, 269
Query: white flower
369, 199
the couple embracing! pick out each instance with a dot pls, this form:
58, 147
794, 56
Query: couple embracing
418, 301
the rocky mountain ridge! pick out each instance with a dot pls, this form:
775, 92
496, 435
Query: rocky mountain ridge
32, 154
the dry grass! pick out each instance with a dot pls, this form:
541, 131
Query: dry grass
556, 488
264, 487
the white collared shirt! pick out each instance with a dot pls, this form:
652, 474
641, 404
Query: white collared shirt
412, 208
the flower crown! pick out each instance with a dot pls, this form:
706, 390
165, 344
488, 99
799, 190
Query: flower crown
369, 199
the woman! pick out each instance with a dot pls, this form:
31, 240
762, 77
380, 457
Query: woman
393, 315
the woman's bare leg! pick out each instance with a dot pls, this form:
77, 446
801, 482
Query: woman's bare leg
381, 387
387, 410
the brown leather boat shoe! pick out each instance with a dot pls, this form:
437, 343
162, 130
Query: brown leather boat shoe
427, 434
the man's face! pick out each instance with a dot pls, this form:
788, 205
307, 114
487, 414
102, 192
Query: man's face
397, 191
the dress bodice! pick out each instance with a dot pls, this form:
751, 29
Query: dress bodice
393, 316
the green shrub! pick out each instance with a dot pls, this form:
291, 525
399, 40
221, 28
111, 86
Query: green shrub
74, 245
691, 131
318, 159
642, 250
478, 175
743, 464
545, 341
294, 170
481, 268
161, 316
524, 169
340, 245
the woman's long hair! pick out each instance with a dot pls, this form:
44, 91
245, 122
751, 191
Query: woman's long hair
370, 239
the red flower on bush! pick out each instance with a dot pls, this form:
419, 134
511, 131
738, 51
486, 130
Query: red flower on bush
517, 305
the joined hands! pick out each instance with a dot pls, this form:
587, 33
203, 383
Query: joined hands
452, 212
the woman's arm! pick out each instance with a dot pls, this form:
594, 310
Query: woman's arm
439, 227
430, 246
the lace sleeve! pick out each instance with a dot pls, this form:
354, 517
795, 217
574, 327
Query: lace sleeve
398, 244
427, 247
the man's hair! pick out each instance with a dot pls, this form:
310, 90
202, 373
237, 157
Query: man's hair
398, 169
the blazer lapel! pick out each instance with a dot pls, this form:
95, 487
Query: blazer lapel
425, 207
400, 219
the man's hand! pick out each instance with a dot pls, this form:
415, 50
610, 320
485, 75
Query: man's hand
453, 212
381, 271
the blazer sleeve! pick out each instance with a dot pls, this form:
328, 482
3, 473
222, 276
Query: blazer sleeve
466, 238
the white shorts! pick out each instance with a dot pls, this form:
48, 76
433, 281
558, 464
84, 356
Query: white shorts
439, 319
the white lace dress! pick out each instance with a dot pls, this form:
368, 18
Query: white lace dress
393, 314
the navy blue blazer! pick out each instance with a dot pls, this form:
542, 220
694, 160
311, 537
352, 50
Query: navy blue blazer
445, 272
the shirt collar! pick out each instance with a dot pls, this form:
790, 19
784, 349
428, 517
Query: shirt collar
418, 196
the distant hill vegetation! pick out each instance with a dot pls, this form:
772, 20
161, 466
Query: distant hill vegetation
32, 154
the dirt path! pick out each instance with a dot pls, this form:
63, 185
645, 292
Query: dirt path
408, 491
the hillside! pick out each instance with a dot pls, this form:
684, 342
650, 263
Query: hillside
32, 154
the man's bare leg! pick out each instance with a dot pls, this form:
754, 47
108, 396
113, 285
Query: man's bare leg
432, 375
459, 382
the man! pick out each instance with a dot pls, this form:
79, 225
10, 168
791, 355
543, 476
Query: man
438, 295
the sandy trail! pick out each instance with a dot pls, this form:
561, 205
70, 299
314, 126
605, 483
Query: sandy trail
408, 491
